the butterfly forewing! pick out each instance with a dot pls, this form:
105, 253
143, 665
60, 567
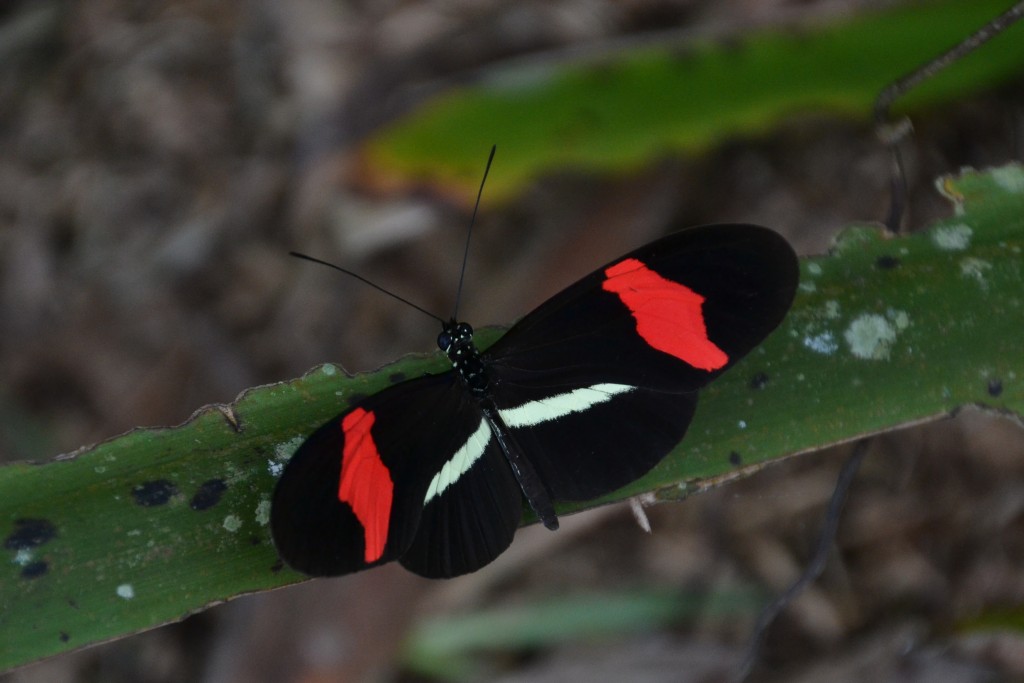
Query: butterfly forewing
743, 278
661, 321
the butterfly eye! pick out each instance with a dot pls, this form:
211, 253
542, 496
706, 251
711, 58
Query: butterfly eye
444, 341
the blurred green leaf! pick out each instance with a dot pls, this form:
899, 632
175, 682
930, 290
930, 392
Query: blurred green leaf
1007, 619
445, 647
629, 107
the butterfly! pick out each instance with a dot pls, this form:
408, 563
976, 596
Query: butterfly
580, 397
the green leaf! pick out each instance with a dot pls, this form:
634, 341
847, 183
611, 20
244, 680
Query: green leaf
630, 107
444, 647
159, 523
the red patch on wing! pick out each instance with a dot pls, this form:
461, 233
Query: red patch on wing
668, 314
365, 483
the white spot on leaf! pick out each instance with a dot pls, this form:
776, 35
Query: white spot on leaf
870, 337
283, 452
263, 513
975, 269
824, 343
901, 319
952, 237
808, 287
126, 591
1010, 178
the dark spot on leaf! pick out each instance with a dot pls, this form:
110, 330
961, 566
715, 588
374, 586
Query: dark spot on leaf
208, 495
64, 637
30, 533
73, 604
396, 377
995, 387
255, 540
356, 398
153, 493
887, 262
34, 570
735, 458
759, 381
277, 566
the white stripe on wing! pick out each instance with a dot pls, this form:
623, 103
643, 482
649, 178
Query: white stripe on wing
560, 405
460, 463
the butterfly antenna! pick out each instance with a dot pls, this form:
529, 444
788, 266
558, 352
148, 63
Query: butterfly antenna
363, 279
469, 233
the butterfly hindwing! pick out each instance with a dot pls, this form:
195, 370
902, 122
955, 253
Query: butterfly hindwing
355, 494
472, 509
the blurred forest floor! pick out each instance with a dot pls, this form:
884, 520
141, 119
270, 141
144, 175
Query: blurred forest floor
159, 159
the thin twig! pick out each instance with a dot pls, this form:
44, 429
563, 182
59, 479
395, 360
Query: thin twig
903, 85
814, 568
891, 135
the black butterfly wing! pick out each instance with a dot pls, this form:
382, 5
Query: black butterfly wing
411, 473
599, 383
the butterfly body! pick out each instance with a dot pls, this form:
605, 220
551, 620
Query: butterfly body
582, 396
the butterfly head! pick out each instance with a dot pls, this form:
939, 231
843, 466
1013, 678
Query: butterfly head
454, 337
